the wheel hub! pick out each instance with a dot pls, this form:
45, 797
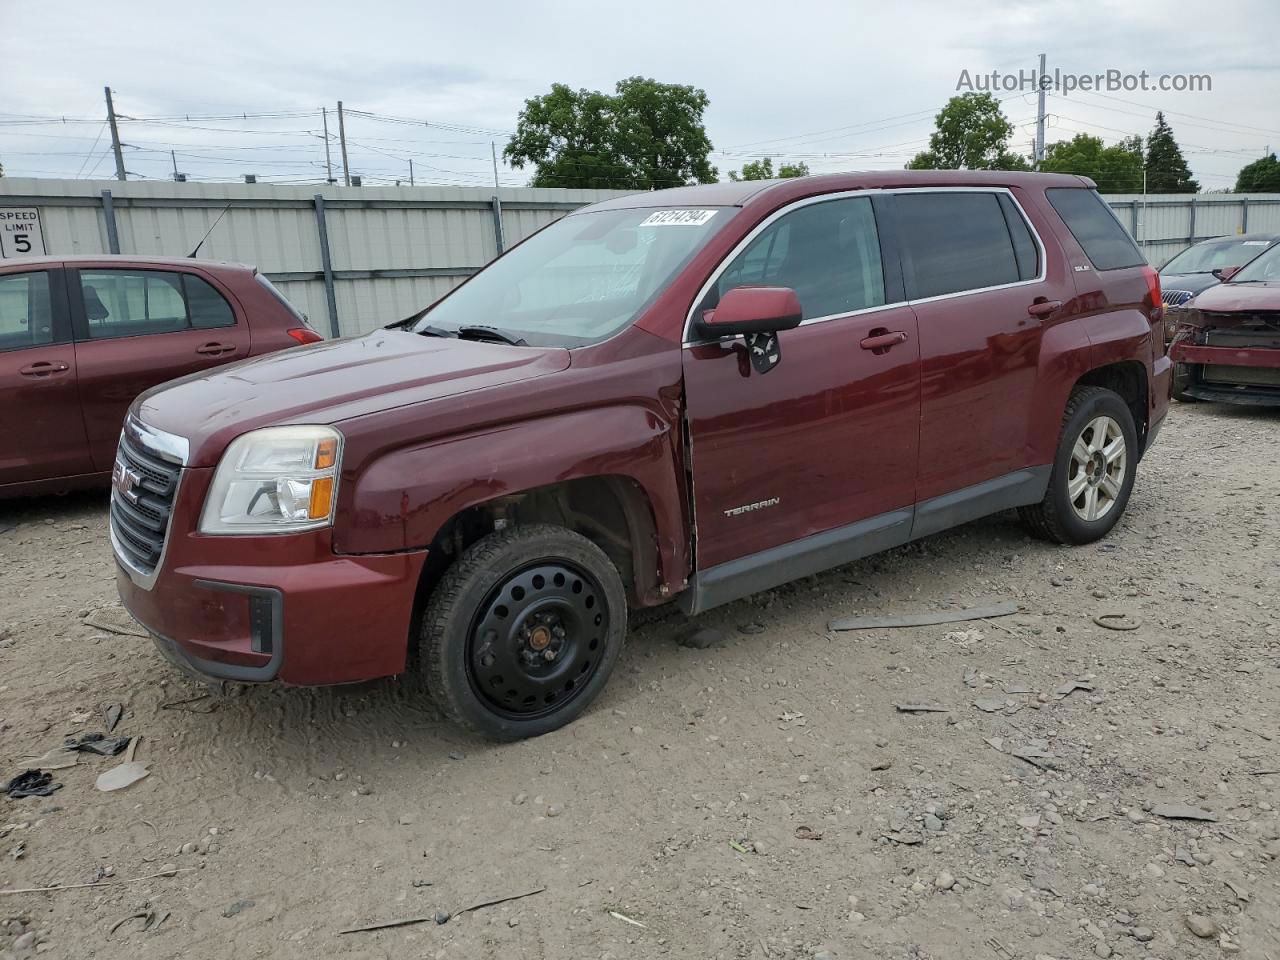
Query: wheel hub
537, 639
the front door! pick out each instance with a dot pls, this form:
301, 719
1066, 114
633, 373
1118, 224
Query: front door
828, 437
136, 328
41, 432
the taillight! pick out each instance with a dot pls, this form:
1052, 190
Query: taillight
1156, 309
304, 335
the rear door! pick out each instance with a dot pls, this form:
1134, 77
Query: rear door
829, 436
137, 327
975, 276
41, 432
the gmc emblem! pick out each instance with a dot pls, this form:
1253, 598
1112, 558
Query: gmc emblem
125, 481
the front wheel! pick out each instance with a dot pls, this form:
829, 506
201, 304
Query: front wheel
1182, 380
522, 631
1093, 470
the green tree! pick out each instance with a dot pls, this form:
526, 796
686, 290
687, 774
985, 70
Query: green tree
762, 169
1261, 176
971, 133
1115, 169
645, 135
1167, 171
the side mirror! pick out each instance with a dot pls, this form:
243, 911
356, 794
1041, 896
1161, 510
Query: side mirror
744, 311
1226, 273
757, 313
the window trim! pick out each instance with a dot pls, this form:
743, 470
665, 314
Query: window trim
896, 250
80, 318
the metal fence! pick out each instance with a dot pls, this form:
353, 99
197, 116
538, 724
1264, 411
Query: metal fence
355, 258
352, 258
1168, 223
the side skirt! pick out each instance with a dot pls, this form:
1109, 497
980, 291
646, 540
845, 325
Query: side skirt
832, 548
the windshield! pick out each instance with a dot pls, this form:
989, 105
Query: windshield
1264, 268
1210, 256
580, 280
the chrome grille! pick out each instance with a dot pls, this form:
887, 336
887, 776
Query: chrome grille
1175, 298
142, 494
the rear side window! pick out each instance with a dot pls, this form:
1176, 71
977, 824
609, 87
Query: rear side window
1025, 250
828, 252
26, 319
131, 303
956, 242
1100, 235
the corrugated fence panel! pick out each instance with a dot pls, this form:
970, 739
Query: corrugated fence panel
393, 250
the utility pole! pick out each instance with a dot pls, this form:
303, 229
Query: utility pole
115, 136
342, 140
1040, 82
493, 150
411, 172
328, 161
174, 157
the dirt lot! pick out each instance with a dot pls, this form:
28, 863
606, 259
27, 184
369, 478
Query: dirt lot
763, 798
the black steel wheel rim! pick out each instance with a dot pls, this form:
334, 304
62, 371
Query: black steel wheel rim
537, 639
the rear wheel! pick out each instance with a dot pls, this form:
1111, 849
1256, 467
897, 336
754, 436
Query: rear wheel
1093, 470
522, 631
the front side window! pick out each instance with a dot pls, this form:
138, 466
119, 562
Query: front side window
827, 252
131, 303
580, 280
26, 318
1095, 227
958, 241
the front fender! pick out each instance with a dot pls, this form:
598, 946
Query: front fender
403, 498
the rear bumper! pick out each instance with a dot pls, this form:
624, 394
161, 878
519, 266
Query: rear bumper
280, 607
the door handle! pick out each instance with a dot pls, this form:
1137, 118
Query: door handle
215, 348
883, 341
1042, 307
43, 368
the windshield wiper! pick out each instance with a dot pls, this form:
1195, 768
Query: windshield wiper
434, 332
480, 332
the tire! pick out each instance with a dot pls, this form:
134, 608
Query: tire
1095, 418
1181, 380
522, 631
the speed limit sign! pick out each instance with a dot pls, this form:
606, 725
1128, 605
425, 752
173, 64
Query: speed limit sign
20, 234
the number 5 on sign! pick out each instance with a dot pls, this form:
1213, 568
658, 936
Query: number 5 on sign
20, 234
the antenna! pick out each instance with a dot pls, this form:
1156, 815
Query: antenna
192, 254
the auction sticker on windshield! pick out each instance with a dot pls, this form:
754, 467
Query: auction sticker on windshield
677, 218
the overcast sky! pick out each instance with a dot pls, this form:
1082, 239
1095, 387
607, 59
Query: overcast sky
839, 84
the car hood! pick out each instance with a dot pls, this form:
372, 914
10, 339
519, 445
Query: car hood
1239, 298
1191, 282
333, 381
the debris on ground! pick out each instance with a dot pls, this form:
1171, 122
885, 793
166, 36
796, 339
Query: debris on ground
1072, 686
31, 783
700, 638
440, 916
97, 743
920, 708
125, 774
1117, 621
924, 619
115, 620
1182, 811
111, 714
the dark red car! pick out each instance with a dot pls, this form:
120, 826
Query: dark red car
81, 337
686, 395
1227, 343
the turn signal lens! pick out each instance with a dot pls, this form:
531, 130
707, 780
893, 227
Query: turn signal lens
321, 497
326, 454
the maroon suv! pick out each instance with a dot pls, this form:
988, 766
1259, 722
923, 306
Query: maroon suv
81, 337
685, 395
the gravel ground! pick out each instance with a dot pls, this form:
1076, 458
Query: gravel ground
762, 797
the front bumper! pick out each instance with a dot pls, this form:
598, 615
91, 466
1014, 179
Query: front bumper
281, 607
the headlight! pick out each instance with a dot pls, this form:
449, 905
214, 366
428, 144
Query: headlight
275, 480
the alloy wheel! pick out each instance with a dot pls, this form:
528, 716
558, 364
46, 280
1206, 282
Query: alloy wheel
1096, 476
